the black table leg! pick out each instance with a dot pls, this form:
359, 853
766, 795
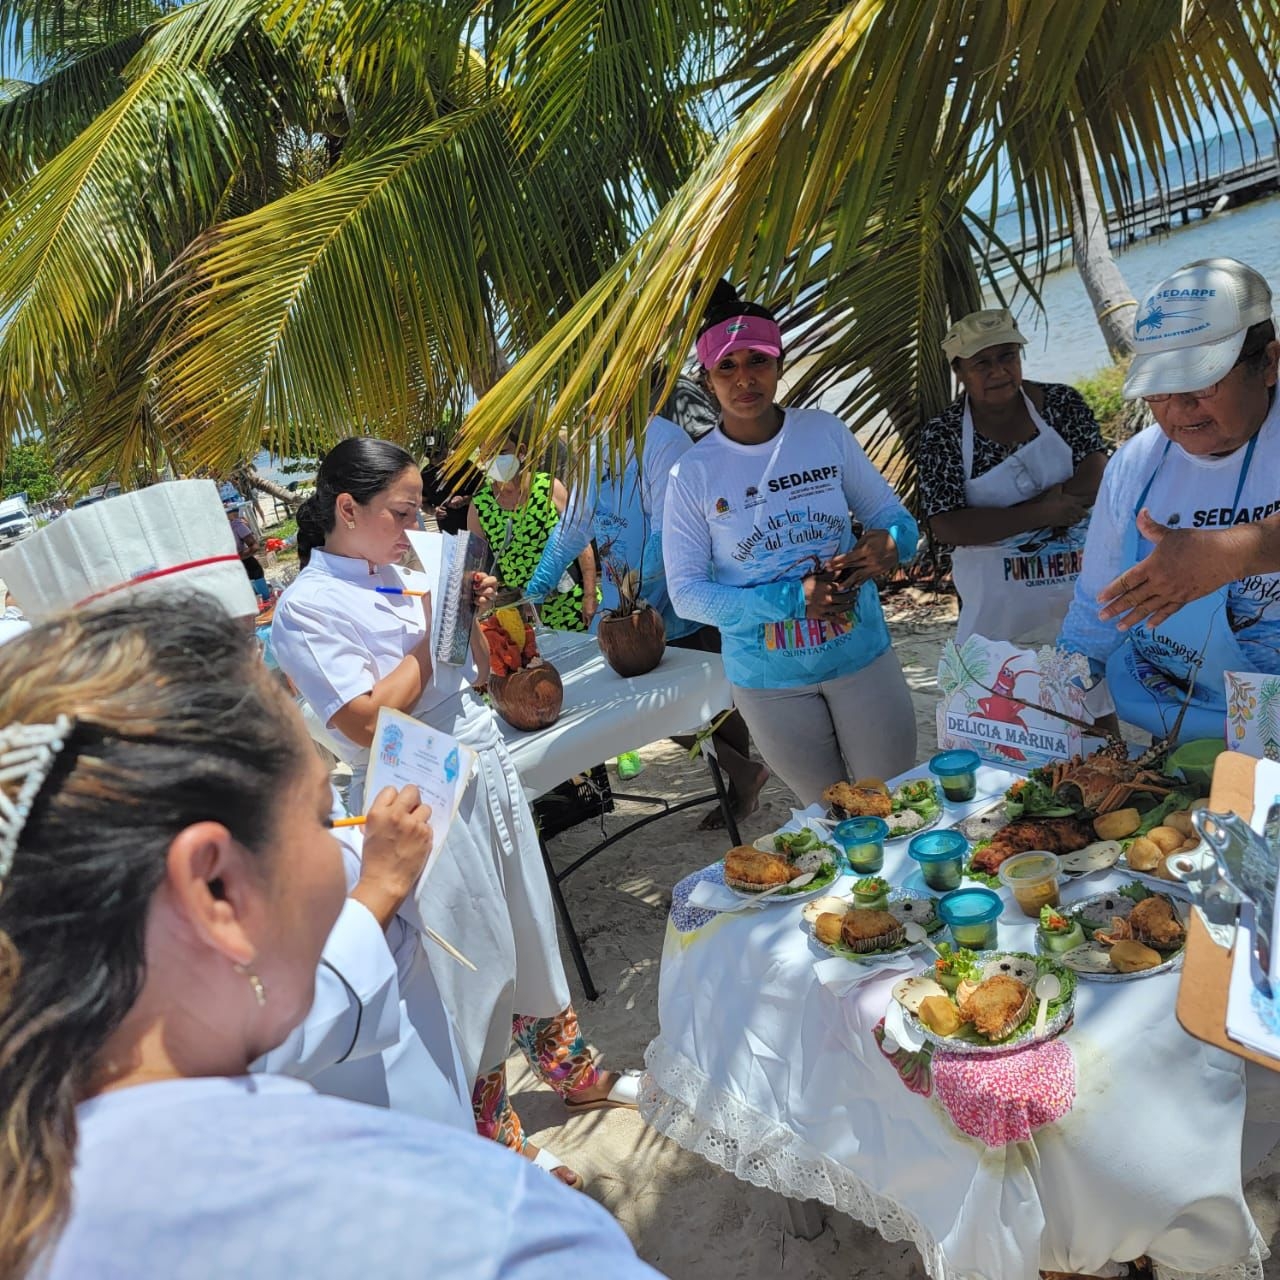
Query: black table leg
730, 822
562, 910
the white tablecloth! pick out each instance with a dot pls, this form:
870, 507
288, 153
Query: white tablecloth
778, 1079
605, 714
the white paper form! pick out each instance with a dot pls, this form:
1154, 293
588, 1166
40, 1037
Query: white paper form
405, 752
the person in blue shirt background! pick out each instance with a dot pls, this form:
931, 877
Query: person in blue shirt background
622, 512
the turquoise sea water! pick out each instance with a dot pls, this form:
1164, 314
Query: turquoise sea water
1065, 341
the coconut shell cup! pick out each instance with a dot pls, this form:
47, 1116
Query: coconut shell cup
528, 699
634, 643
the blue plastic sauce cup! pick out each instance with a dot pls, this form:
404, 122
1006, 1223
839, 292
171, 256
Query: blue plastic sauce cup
957, 771
862, 840
971, 915
941, 856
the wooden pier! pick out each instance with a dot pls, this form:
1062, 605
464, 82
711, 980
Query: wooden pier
1163, 209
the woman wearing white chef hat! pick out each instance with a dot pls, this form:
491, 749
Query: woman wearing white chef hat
377, 1031
352, 649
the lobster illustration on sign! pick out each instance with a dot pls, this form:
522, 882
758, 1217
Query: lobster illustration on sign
1003, 707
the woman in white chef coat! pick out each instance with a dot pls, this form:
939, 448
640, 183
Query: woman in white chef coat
166, 886
1007, 475
377, 1031
351, 650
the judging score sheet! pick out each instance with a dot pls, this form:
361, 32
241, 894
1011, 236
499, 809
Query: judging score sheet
405, 752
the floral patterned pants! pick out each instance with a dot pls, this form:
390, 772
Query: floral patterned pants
559, 1057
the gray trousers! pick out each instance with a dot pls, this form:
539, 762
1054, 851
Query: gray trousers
858, 726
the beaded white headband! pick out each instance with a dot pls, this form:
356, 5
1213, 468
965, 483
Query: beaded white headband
27, 751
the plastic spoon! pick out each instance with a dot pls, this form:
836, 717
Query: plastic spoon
798, 883
1047, 988
916, 934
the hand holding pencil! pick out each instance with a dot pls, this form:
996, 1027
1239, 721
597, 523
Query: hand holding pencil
397, 843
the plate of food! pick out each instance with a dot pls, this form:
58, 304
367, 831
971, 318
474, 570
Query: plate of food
866, 798
914, 807
1022, 835
1149, 840
780, 858
865, 934
1130, 932
991, 1008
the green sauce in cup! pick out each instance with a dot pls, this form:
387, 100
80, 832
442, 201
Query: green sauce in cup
941, 856
957, 771
971, 914
862, 840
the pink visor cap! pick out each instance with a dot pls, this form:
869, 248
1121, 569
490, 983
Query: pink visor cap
756, 332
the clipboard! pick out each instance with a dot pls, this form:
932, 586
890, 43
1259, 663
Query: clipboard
1206, 968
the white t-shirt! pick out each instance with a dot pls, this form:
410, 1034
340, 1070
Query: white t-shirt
260, 1178
1187, 493
745, 524
335, 636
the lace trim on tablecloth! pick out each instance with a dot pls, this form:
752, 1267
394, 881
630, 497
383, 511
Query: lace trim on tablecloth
679, 1101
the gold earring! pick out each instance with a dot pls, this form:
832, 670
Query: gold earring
255, 984
351, 524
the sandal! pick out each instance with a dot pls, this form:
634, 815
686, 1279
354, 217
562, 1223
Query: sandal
625, 1093
546, 1160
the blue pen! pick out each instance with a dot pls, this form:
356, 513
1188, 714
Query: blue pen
400, 591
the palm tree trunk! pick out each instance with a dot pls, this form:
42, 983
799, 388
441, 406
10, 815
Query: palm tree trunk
1113, 302
271, 489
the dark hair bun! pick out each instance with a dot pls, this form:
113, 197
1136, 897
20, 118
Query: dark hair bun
722, 296
726, 303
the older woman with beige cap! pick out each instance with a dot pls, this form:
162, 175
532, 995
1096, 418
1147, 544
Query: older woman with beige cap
1007, 475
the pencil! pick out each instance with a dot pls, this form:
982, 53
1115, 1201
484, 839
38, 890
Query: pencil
400, 591
333, 823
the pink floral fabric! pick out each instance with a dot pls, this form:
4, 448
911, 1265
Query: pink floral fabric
1006, 1098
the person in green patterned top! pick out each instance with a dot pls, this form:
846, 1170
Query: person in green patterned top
515, 511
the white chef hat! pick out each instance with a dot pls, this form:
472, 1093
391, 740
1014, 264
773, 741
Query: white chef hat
144, 544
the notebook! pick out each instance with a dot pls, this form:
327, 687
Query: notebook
449, 560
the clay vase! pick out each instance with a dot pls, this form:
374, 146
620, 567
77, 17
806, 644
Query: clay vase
634, 643
528, 699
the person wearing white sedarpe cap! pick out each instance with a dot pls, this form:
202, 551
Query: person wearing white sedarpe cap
1181, 579
377, 1031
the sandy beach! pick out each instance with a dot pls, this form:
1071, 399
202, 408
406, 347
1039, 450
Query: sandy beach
686, 1217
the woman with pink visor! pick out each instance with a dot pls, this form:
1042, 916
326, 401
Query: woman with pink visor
759, 541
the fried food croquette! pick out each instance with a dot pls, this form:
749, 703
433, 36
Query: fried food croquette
1133, 957
859, 799
862, 930
997, 1005
826, 928
940, 1015
1155, 922
751, 869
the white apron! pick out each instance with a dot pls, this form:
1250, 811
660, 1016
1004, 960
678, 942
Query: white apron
1018, 590
489, 896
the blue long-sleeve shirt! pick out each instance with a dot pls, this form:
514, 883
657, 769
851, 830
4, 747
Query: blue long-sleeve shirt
624, 513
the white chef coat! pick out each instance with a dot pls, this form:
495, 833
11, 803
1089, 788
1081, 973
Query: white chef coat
377, 1031
334, 637
259, 1178
1019, 588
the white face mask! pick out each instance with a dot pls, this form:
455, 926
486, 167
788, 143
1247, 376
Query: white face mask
504, 468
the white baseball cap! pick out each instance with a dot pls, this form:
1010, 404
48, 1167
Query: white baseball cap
152, 542
1190, 329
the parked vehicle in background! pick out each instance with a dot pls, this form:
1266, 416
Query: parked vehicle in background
16, 521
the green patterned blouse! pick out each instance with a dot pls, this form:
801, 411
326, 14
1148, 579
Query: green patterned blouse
518, 538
